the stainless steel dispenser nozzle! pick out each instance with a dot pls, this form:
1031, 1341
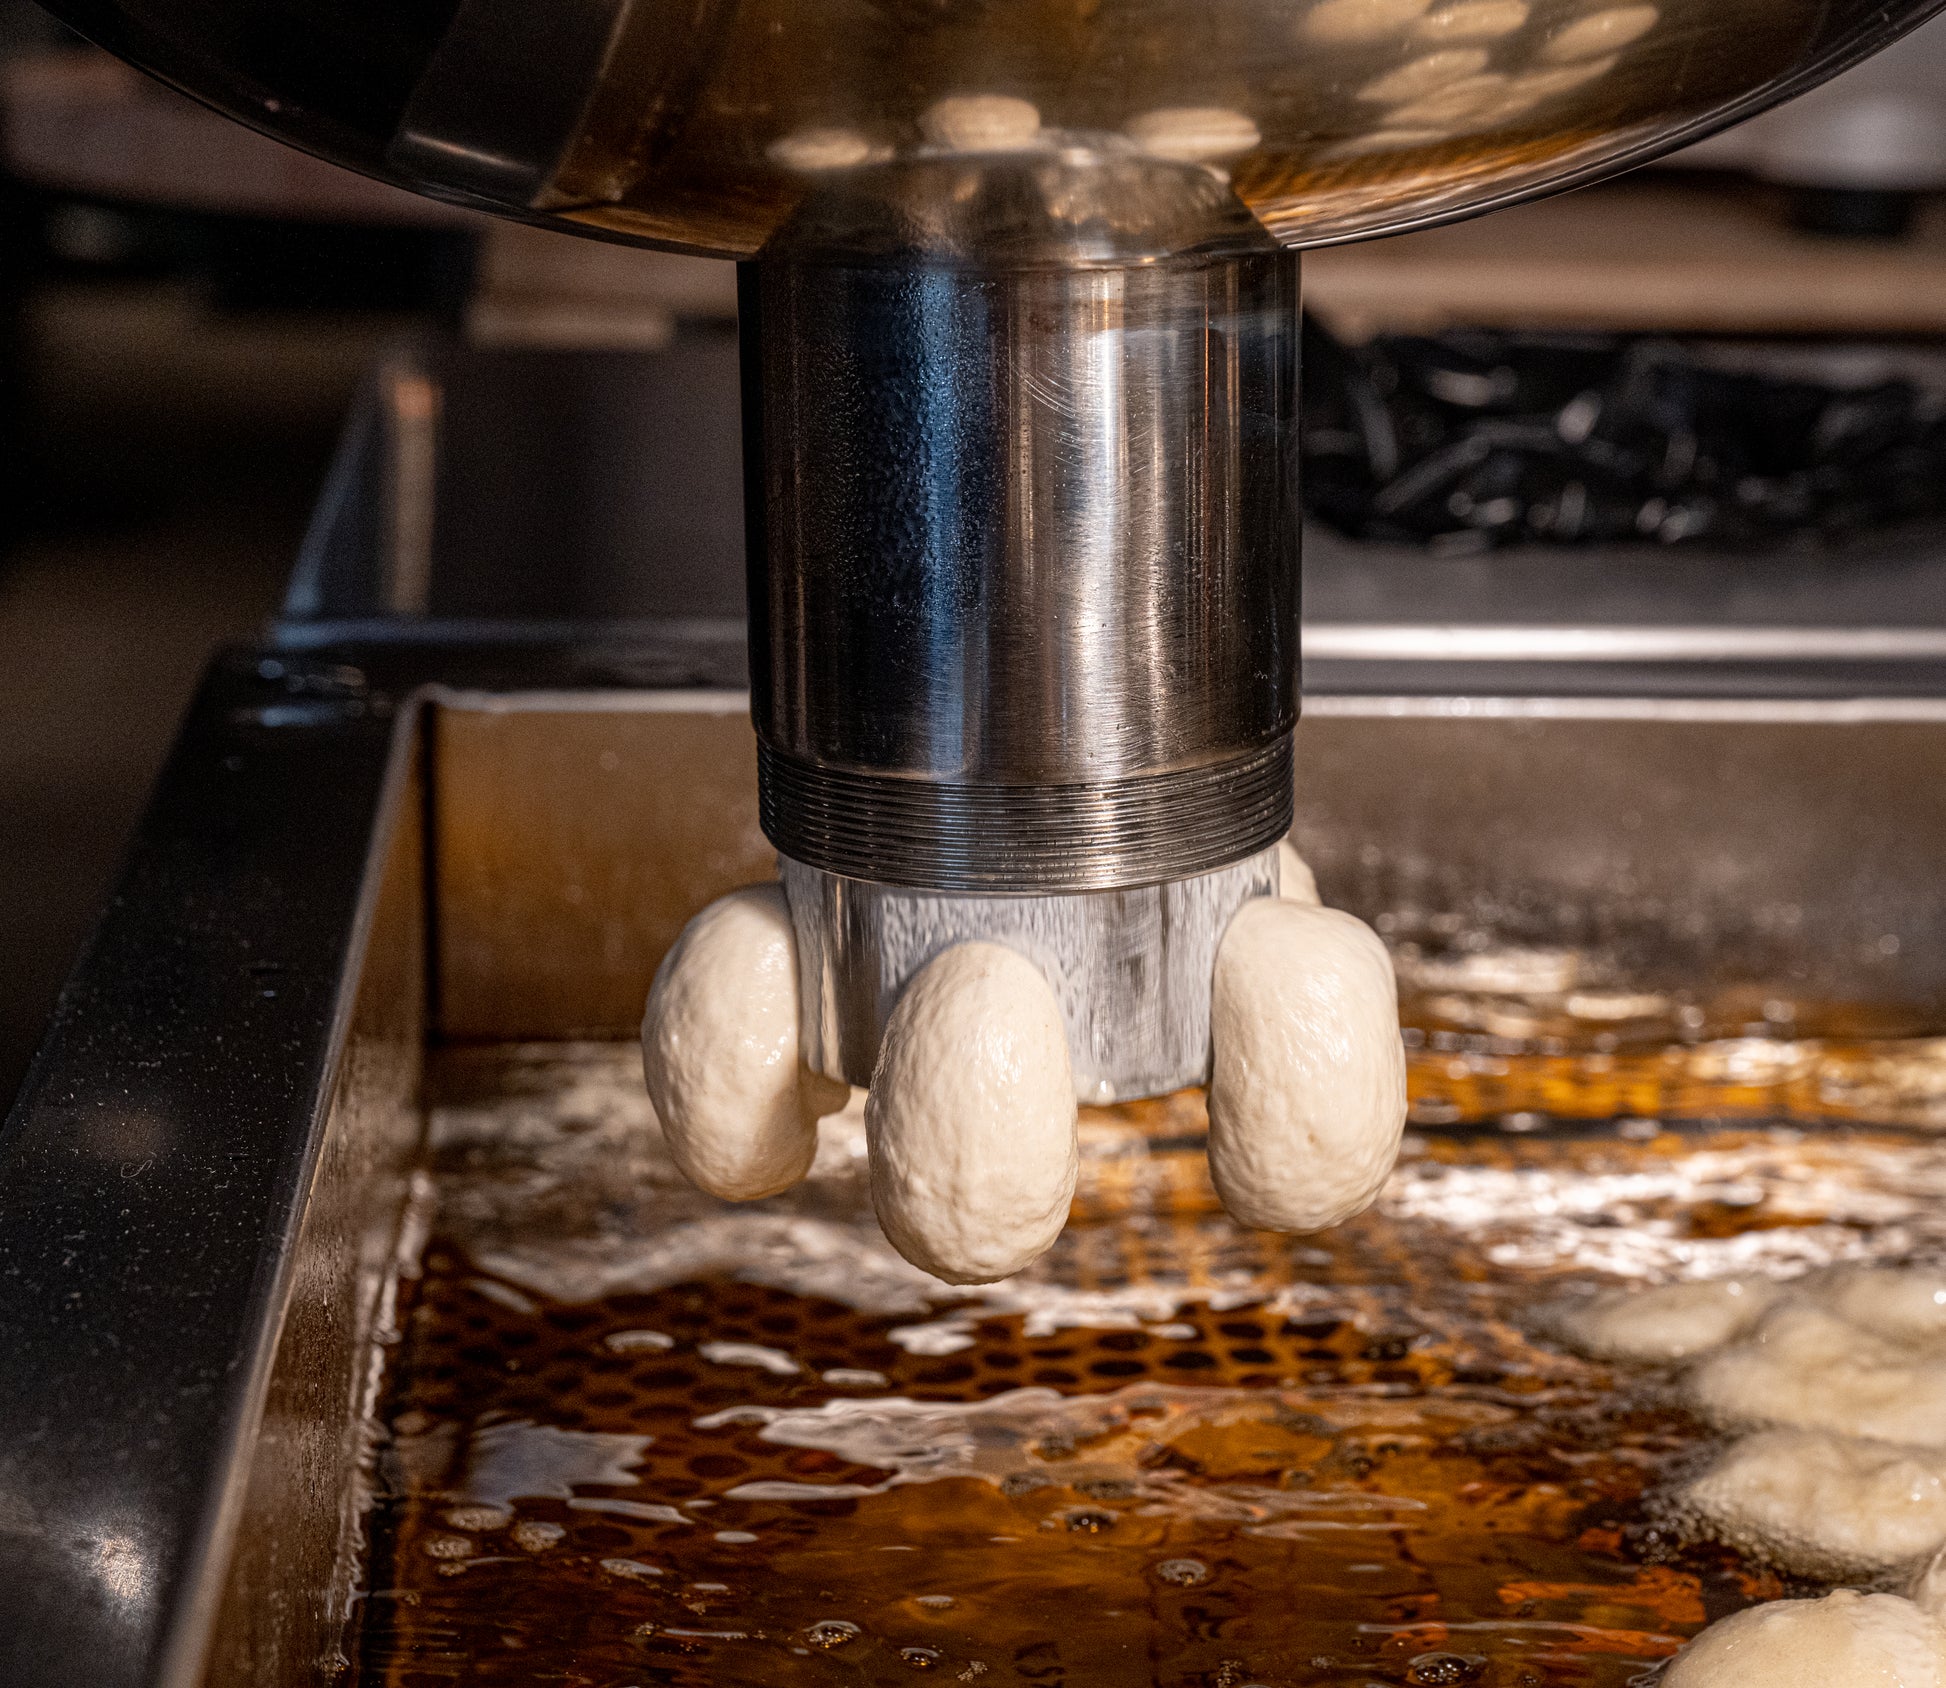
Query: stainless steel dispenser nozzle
1020, 450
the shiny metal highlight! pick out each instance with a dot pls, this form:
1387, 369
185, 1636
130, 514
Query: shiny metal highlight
1131, 969
1023, 528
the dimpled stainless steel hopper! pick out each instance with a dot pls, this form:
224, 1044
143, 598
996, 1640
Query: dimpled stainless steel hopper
1020, 382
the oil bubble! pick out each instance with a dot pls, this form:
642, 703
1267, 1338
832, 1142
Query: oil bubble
1444, 1668
1184, 1573
832, 1632
920, 1658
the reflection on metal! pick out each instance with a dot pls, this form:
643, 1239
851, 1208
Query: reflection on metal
1458, 642
1023, 618
410, 406
223, 1102
1131, 969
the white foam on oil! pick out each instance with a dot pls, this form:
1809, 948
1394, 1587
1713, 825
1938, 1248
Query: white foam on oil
1839, 1201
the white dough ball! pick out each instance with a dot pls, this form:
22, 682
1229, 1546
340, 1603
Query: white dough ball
1296, 883
719, 1050
1307, 1071
1193, 134
1670, 1322
1929, 1587
971, 1117
1600, 32
1346, 23
1818, 1502
980, 123
1807, 1367
1845, 1640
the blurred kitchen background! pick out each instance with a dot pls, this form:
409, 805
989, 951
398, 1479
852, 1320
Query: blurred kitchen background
1744, 354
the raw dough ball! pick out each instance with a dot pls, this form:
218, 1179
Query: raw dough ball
1599, 33
1425, 75
719, 1050
1296, 883
1807, 1367
1345, 23
1671, 1322
1929, 1588
1193, 134
1307, 1071
971, 1117
812, 150
1820, 1503
980, 123
1845, 1640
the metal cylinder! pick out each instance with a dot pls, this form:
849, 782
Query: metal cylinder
1023, 527
1131, 969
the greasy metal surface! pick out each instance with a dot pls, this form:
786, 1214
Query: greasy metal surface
297, 1526
1130, 969
1007, 586
672, 123
1799, 843
154, 1177
572, 841
155, 1169
1686, 841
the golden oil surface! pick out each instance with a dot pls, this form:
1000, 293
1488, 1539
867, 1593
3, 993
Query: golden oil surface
635, 1436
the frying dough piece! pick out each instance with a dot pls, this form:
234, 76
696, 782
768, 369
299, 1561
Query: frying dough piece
1901, 1305
1805, 1366
1822, 1504
980, 123
1670, 1322
719, 1050
1845, 1640
1307, 1071
1296, 883
971, 1117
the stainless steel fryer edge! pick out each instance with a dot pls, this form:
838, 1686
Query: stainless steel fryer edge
172, 1456
212, 1094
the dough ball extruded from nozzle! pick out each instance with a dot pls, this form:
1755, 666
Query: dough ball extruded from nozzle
970, 1122
719, 1050
1296, 883
1307, 1072
1845, 1640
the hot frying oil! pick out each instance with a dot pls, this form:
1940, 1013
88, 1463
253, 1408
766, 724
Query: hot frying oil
636, 1436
